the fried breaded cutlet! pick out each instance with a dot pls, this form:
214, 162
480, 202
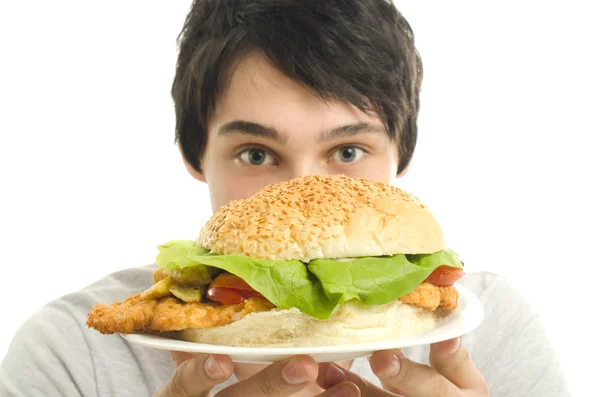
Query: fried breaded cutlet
168, 314
432, 297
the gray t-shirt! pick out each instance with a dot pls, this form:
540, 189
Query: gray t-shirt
55, 354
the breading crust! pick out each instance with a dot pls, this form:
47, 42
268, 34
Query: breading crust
168, 314
432, 297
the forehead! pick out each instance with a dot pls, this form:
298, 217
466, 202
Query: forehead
260, 93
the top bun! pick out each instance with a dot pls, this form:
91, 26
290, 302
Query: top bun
323, 217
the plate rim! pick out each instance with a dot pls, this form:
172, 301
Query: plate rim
473, 308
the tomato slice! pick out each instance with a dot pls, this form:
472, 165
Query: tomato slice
445, 276
229, 289
229, 296
228, 280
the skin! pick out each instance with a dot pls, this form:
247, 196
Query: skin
260, 94
268, 128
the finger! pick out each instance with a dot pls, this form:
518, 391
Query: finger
332, 376
180, 357
410, 378
453, 361
195, 377
344, 389
282, 378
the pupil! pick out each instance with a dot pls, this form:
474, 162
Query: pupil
348, 154
257, 157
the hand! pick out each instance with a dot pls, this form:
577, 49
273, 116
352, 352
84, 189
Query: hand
197, 375
451, 374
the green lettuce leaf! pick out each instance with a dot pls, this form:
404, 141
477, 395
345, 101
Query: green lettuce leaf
378, 280
286, 284
317, 288
179, 254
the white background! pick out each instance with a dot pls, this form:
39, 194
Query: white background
507, 156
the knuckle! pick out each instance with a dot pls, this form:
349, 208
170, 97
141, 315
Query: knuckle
270, 386
176, 387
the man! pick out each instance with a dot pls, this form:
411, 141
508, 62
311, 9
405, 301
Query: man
267, 90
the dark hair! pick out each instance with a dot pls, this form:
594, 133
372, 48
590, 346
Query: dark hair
357, 51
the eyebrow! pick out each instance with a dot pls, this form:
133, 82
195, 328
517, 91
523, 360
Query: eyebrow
254, 129
350, 130
261, 131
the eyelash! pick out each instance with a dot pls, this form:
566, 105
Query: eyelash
239, 154
349, 146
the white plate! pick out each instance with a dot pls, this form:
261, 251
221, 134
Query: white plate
463, 320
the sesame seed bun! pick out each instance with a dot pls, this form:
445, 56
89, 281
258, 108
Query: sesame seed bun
323, 217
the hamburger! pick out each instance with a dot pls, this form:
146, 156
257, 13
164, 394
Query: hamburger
311, 261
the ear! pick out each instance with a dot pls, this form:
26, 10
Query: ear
193, 172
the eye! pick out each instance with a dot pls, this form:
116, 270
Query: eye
348, 154
257, 157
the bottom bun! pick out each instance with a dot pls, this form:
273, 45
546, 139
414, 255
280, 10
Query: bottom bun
351, 323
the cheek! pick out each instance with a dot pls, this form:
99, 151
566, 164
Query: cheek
227, 186
227, 181
224, 188
379, 168
381, 172
223, 183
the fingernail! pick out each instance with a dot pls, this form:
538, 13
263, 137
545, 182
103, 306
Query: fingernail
293, 373
394, 365
213, 369
343, 391
334, 375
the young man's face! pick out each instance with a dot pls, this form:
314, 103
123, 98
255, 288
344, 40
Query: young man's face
267, 128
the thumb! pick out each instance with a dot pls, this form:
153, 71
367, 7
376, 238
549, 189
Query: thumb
180, 357
452, 360
196, 375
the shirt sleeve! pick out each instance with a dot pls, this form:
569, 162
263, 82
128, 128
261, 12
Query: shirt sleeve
48, 357
511, 348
